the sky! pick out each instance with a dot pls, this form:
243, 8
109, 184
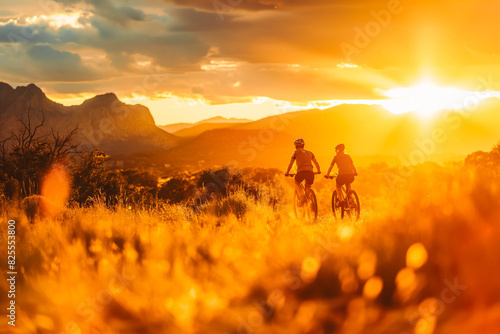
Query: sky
189, 60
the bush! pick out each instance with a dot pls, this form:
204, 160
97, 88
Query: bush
485, 162
236, 204
91, 179
175, 190
140, 178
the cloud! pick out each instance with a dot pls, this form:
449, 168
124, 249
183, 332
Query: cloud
262, 38
119, 14
44, 63
32, 34
222, 6
46, 54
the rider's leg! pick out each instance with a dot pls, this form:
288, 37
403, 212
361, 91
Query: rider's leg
339, 193
309, 180
308, 187
348, 188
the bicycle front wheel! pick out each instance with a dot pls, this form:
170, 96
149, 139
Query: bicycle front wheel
338, 212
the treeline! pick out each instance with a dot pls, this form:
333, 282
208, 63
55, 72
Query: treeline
485, 162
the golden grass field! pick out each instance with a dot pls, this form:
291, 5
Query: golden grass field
422, 259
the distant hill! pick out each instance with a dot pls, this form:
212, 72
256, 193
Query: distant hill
228, 146
208, 124
103, 122
200, 128
370, 133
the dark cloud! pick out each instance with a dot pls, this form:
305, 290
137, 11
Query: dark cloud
224, 6
188, 19
107, 9
120, 14
55, 65
32, 34
175, 51
45, 53
35, 63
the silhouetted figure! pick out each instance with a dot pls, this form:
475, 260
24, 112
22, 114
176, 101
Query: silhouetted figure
305, 169
347, 171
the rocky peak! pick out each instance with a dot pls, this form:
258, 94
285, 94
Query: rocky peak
29, 91
5, 88
103, 121
5, 95
104, 100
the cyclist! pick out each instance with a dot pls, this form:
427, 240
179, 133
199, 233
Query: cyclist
347, 171
305, 169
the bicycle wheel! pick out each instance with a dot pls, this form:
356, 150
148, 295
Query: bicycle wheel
354, 206
312, 205
338, 212
297, 209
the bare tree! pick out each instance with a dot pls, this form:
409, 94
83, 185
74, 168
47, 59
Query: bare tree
30, 153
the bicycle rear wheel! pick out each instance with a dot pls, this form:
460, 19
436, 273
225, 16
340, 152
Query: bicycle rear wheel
312, 205
338, 212
297, 209
354, 206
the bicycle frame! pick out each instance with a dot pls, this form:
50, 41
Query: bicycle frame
350, 201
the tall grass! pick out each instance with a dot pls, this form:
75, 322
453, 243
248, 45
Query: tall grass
244, 264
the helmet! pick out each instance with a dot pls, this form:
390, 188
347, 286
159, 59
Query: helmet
340, 147
299, 142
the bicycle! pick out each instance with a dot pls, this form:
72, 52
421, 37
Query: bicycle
308, 210
351, 204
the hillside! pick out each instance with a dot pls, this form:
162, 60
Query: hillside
370, 133
103, 122
217, 122
228, 146
198, 129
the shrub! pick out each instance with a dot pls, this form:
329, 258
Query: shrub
175, 190
91, 179
236, 204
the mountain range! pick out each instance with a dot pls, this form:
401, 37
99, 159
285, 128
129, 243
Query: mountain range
102, 122
370, 133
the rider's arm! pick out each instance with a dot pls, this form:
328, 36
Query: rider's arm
292, 160
317, 165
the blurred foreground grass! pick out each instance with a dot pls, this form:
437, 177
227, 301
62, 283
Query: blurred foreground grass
422, 259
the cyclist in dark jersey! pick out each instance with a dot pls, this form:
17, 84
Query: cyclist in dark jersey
305, 169
347, 171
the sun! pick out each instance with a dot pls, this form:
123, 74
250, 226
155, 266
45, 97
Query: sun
426, 99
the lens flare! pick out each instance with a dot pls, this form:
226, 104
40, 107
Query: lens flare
416, 256
373, 287
55, 189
